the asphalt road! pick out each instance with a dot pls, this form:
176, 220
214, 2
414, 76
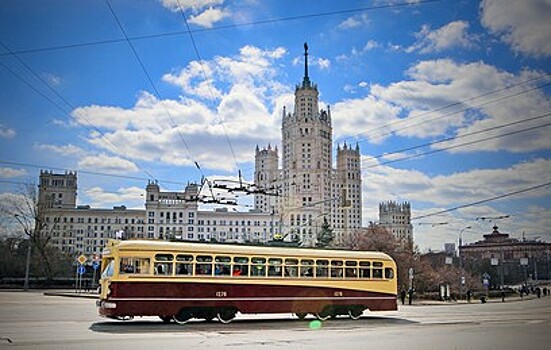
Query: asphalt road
30, 320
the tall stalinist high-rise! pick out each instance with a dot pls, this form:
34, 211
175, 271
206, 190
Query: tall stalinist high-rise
309, 189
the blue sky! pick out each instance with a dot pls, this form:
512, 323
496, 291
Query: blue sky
76, 95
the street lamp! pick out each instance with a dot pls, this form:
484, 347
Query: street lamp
28, 262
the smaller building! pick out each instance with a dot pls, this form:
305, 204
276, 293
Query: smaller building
520, 260
396, 219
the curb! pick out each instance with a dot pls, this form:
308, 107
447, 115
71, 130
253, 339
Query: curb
71, 295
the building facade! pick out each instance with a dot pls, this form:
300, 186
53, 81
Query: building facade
309, 190
514, 260
396, 219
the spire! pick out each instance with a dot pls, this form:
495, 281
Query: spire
306, 80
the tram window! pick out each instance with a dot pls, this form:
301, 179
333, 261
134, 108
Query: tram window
377, 269
240, 266
109, 269
336, 268
351, 270
307, 268
203, 265
389, 273
365, 269
163, 264
184, 264
164, 257
258, 267
134, 265
222, 266
274, 267
291, 268
322, 268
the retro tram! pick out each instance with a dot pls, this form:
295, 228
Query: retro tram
180, 281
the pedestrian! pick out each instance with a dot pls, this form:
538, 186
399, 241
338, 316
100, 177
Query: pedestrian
410, 296
469, 295
403, 296
538, 292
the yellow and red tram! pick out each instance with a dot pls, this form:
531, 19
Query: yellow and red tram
182, 280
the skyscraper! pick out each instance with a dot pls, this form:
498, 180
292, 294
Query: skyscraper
310, 189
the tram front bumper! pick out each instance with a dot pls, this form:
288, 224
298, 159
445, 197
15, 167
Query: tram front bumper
104, 304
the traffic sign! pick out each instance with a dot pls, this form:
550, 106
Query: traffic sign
81, 269
95, 265
486, 282
81, 259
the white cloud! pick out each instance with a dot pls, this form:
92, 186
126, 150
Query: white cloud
370, 45
438, 83
66, 150
323, 63
354, 22
369, 113
192, 131
452, 35
524, 25
176, 5
52, 79
208, 17
131, 197
253, 67
107, 164
10, 172
6, 132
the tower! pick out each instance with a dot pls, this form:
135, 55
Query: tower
396, 218
309, 188
57, 190
348, 187
265, 178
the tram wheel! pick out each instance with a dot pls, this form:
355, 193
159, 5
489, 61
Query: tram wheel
125, 318
325, 314
182, 317
225, 316
355, 313
301, 315
166, 319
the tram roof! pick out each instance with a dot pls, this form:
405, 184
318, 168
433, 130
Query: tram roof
213, 248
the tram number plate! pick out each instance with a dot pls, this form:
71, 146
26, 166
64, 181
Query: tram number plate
221, 294
338, 294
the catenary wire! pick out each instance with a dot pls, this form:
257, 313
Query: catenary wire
68, 103
224, 27
542, 116
459, 145
201, 63
482, 201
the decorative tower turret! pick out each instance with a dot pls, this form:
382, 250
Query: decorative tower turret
57, 190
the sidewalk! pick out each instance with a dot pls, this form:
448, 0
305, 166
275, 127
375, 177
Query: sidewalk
473, 301
71, 294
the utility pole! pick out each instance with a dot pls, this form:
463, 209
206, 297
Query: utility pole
461, 278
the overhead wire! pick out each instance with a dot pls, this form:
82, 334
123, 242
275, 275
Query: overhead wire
447, 139
154, 87
482, 201
459, 103
201, 63
459, 145
67, 102
223, 27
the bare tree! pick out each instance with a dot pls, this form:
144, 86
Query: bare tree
21, 210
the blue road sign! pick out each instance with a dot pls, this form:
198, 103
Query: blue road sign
81, 269
95, 265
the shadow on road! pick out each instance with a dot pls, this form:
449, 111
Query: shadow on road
240, 325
